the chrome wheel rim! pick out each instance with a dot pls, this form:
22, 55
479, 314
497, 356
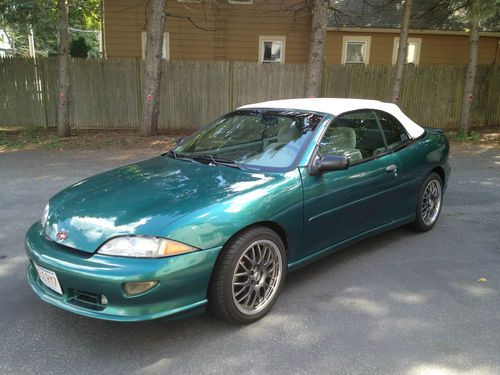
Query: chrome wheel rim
257, 277
431, 202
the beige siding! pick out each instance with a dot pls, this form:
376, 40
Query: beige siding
454, 49
435, 49
266, 18
122, 28
231, 31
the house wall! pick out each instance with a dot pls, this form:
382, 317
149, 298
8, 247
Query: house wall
231, 32
435, 48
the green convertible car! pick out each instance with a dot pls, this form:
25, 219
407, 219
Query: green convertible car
219, 220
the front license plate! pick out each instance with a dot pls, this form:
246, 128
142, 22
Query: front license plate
49, 278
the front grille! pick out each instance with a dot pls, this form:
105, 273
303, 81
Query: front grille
86, 300
67, 249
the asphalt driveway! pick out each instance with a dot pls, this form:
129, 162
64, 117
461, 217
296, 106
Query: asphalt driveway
399, 303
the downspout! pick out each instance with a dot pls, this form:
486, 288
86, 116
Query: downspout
102, 43
497, 54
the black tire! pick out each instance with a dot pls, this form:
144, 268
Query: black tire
420, 224
221, 297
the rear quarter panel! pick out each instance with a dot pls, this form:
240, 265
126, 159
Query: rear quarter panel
419, 159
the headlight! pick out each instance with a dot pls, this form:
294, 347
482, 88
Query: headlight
45, 215
143, 247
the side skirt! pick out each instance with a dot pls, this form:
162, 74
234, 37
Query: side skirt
331, 249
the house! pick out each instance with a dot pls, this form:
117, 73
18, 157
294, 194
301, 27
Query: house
5, 47
278, 31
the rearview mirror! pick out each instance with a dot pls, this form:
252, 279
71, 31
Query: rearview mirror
328, 163
269, 121
179, 140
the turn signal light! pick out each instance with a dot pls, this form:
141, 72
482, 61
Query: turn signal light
134, 288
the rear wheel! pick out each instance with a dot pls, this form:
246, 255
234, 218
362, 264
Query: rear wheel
429, 203
248, 276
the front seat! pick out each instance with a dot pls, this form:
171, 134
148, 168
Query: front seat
286, 135
341, 141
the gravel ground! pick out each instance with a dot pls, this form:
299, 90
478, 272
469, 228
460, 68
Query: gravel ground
399, 303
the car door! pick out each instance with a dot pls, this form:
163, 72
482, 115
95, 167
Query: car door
400, 144
340, 205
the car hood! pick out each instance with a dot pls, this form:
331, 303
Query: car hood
141, 199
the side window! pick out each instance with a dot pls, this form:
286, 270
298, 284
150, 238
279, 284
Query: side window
394, 132
165, 49
272, 49
355, 135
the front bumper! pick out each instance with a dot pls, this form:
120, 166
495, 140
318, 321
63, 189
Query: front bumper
182, 280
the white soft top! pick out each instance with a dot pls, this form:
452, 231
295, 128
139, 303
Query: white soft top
336, 107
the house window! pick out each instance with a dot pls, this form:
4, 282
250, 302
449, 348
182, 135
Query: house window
241, 2
413, 53
165, 49
272, 49
356, 49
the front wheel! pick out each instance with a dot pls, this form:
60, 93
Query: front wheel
248, 276
429, 203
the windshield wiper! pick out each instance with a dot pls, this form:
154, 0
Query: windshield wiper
177, 155
216, 160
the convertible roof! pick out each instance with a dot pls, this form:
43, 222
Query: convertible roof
338, 106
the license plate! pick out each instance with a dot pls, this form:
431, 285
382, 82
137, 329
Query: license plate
49, 278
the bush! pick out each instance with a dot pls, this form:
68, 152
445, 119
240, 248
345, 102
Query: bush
79, 47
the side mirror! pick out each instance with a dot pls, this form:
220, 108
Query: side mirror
327, 163
179, 140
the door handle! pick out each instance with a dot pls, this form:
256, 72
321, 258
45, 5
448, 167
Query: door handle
393, 168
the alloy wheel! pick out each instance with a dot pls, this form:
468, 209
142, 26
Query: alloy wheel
431, 202
257, 277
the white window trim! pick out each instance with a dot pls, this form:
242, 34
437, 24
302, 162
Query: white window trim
188, 1
165, 49
355, 38
263, 39
241, 2
418, 47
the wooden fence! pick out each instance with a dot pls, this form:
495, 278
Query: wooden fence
106, 93
431, 95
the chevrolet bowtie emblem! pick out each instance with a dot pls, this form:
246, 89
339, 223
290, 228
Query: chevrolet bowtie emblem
62, 235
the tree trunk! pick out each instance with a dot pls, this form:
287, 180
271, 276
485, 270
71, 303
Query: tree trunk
467, 96
317, 48
402, 53
152, 68
63, 103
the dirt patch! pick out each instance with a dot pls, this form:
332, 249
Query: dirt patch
485, 136
47, 139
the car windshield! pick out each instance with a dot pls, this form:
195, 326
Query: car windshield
265, 139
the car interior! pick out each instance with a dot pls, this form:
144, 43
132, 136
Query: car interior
358, 136
276, 140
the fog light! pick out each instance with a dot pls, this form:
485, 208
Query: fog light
133, 288
104, 300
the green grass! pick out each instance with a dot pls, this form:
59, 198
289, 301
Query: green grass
461, 136
21, 138
47, 139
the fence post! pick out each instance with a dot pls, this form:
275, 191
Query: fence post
323, 81
138, 82
230, 82
43, 84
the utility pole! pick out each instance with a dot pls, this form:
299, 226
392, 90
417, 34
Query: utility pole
31, 43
